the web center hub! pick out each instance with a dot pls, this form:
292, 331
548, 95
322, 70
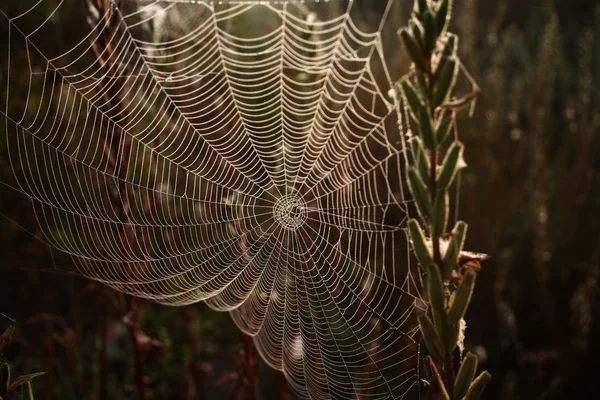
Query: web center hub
290, 211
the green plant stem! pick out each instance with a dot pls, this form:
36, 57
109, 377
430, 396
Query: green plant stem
449, 372
437, 254
435, 240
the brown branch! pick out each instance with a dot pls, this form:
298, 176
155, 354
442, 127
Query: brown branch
195, 383
117, 149
103, 359
132, 321
248, 367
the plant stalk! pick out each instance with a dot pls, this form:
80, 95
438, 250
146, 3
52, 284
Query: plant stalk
133, 327
435, 239
449, 372
421, 38
103, 359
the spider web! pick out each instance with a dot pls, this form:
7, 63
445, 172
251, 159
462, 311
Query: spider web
245, 154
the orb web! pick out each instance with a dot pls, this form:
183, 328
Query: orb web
241, 153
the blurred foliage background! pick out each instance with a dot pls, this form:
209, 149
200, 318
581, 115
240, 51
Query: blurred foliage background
531, 196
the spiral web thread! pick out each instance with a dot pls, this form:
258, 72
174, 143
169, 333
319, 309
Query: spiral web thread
258, 169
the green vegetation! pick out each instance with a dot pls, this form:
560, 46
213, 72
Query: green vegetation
428, 90
9, 385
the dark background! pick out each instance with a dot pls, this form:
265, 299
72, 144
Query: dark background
531, 196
